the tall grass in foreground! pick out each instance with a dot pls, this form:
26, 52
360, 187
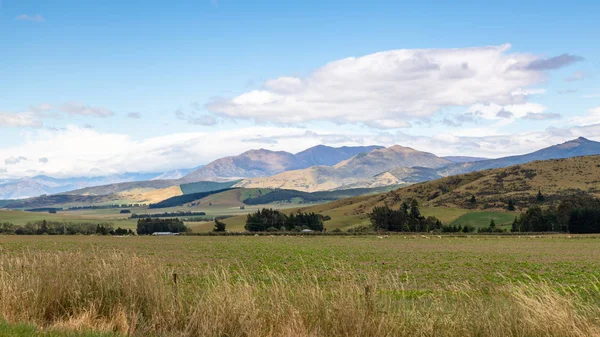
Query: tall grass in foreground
138, 296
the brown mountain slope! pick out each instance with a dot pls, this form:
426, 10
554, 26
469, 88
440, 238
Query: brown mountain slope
492, 189
253, 163
262, 163
358, 171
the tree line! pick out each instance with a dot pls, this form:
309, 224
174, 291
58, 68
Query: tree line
575, 214
269, 219
44, 227
106, 206
167, 214
148, 226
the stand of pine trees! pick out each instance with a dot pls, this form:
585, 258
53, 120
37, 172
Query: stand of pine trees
269, 219
150, 225
406, 219
576, 214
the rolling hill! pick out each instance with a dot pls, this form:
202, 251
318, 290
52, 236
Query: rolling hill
556, 179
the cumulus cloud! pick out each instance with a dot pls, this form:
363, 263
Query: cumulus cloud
593, 117
26, 17
23, 119
14, 160
43, 160
205, 120
390, 89
196, 116
41, 108
511, 111
542, 116
576, 76
554, 62
134, 115
75, 108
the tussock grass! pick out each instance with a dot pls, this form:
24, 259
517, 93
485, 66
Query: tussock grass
132, 295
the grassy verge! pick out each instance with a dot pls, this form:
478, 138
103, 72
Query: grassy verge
27, 330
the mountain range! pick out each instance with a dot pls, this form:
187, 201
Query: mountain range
399, 165
352, 172
319, 168
262, 163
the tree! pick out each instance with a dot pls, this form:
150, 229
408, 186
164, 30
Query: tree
515, 225
540, 196
219, 226
473, 199
511, 205
492, 225
149, 226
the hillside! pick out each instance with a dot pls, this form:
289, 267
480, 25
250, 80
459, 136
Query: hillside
576, 147
556, 179
365, 170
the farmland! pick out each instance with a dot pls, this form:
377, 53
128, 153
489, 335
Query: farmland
405, 284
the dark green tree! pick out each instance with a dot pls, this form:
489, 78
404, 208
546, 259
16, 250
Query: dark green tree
540, 196
219, 226
511, 205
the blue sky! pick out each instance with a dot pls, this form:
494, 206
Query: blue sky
113, 86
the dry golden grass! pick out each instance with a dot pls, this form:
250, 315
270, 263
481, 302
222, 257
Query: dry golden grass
149, 195
138, 296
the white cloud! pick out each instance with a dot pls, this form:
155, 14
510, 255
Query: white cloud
23, 119
397, 85
528, 92
14, 160
75, 108
593, 117
510, 112
35, 18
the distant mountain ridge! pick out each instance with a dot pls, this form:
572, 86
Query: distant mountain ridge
573, 148
355, 172
398, 165
263, 163
35, 186
322, 155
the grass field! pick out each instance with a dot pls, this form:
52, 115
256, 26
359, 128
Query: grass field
302, 286
482, 219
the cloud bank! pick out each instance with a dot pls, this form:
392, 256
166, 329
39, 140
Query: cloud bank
388, 90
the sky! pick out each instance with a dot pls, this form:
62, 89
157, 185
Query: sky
104, 87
